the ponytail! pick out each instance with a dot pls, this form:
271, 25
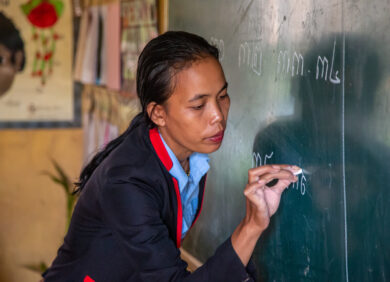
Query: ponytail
100, 156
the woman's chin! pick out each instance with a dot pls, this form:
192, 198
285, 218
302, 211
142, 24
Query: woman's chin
210, 148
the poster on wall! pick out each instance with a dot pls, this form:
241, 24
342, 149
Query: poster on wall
36, 53
138, 27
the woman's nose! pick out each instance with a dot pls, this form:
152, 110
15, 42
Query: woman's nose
217, 115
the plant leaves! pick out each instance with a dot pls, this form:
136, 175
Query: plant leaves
40, 267
64, 177
63, 180
53, 177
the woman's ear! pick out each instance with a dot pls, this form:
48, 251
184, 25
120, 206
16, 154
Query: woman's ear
19, 60
156, 113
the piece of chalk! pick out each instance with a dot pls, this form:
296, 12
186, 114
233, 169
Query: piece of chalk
300, 171
274, 181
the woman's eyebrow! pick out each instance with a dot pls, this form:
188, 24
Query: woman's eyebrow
200, 96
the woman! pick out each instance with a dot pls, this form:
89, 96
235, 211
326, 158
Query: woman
12, 55
142, 193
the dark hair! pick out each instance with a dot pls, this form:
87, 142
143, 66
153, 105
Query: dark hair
10, 38
161, 59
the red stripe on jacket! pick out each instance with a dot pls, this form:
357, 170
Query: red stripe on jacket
163, 155
179, 213
88, 279
167, 162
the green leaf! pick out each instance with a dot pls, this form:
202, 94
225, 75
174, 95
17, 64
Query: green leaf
27, 7
65, 179
58, 6
53, 177
71, 201
41, 267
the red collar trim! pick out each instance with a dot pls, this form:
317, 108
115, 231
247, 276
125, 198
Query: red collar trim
179, 220
166, 160
162, 153
160, 148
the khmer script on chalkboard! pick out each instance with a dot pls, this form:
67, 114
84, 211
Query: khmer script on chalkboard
309, 83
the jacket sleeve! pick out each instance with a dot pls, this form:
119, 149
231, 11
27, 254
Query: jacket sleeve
131, 209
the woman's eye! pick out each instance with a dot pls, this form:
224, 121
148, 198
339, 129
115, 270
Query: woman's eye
224, 96
198, 107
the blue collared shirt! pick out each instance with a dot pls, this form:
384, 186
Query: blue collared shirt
188, 185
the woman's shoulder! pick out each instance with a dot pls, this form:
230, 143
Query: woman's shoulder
133, 161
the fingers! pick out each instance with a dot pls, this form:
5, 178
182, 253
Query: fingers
258, 173
255, 173
255, 194
262, 201
251, 188
280, 175
281, 186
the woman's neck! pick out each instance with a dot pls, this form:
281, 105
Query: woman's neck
182, 154
186, 166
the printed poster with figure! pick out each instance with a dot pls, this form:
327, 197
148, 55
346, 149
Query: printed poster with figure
36, 42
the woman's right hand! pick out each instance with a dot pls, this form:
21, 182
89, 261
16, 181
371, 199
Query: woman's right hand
261, 203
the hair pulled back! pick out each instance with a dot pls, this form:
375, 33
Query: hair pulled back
161, 59
10, 38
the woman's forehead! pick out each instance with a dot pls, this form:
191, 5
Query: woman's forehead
202, 77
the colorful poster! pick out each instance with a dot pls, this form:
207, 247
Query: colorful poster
36, 43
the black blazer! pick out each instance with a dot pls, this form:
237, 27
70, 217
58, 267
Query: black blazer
127, 223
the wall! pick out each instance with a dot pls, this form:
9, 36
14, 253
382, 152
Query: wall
32, 207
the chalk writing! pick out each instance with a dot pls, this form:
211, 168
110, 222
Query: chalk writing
297, 63
323, 64
220, 44
258, 160
300, 185
289, 63
250, 56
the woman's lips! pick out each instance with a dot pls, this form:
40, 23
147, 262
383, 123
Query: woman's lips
217, 138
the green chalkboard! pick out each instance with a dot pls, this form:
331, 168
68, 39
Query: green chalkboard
310, 85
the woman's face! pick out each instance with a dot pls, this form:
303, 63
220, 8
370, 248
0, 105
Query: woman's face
195, 114
7, 68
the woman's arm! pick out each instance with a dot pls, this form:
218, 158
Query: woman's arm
131, 211
261, 203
